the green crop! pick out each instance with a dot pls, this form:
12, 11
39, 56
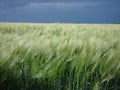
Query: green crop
59, 56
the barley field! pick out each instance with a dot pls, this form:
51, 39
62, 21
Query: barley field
59, 56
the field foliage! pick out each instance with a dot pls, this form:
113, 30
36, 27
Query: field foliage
59, 56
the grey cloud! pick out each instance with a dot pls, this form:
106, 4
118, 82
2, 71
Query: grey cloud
60, 10
16, 3
74, 5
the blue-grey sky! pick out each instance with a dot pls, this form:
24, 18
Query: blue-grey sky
70, 11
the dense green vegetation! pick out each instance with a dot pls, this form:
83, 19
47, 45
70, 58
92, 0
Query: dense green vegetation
59, 56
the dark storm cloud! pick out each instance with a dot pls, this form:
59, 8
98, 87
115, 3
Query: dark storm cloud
60, 11
16, 3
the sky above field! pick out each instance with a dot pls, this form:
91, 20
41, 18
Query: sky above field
70, 11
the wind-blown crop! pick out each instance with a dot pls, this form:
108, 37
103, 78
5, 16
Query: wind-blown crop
59, 56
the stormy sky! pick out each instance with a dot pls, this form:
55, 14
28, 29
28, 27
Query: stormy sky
66, 11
